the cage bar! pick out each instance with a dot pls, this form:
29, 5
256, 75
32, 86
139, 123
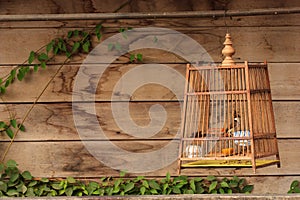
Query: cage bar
228, 118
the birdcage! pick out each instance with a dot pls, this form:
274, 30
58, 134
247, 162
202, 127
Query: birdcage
228, 118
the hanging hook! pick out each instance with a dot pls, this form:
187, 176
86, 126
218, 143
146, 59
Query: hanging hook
224, 18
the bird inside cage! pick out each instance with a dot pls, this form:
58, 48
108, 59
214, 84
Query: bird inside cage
195, 148
235, 126
240, 146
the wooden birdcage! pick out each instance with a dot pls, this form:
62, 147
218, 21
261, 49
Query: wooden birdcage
228, 118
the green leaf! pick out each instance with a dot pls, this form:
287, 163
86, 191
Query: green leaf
117, 183
49, 46
296, 190
212, 186
75, 33
13, 73
31, 57
57, 186
139, 57
11, 164
2, 89
121, 30
71, 180
0, 81
13, 122
21, 74
27, 175
294, 184
21, 188
142, 190
99, 36
43, 65
9, 133
97, 31
153, 184
139, 178
192, 185
1, 168
75, 47
30, 193
32, 183
42, 57
211, 178
145, 183
3, 125
118, 46
176, 190
12, 192
8, 81
153, 191
84, 34
116, 190
110, 46
86, 46
55, 50
35, 68
129, 187
233, 183
63, 47
44, 180
21, 127
168, 177
247, 189
188, 192
69, 191
199, 189
3, 186
221, 191
224, 184
14, 177
70, 33
132, 58
98, 27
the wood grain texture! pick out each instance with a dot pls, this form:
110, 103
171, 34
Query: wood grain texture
179, 24
284, 79
52, 146
89, 6
61, 159
54, 122
254, 44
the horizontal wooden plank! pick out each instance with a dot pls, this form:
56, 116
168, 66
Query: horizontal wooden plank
254, 44
284, 81
179, 24
280, 185
81, 6
54, 122
61, 159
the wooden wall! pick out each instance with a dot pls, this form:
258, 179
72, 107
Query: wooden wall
51, 146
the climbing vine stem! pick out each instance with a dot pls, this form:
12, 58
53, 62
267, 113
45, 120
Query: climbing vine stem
76, 41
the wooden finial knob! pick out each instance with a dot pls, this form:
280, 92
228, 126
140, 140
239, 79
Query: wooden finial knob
228, 51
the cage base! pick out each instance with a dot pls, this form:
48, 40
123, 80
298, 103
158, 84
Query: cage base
229, 163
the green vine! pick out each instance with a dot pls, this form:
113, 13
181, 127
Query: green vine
75, 43
295, 187
14, 183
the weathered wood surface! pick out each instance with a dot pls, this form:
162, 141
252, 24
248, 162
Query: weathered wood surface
51, 122
177, 24
284, 79
61, 159
255, 44
52, 147
90, 6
